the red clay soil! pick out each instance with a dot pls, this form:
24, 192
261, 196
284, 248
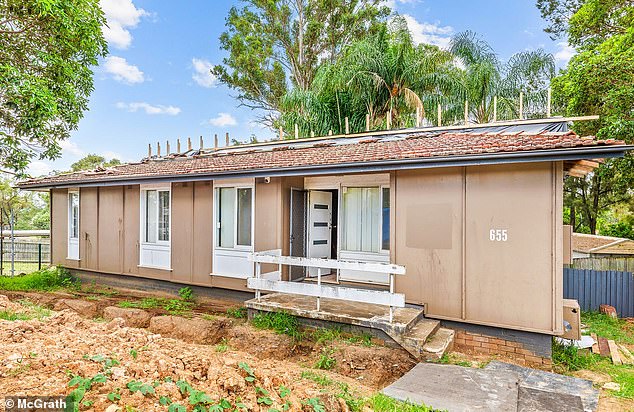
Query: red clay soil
40, 356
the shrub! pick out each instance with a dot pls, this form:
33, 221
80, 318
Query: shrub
186, 293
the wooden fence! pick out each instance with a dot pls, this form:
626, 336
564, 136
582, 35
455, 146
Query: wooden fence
592, 288
622, 264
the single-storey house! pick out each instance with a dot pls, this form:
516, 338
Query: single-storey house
473, 213
586, 245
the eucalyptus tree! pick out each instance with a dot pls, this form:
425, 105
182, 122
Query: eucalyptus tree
386, 76
486, 78
277, 46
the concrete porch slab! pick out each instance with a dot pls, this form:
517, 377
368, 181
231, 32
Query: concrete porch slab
339, 311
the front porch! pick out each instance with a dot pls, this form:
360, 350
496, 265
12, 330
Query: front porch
342, 306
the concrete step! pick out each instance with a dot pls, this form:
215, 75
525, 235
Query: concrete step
417, 337
440, 343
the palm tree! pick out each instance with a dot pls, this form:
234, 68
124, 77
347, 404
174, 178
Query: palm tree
385, 76
485, 77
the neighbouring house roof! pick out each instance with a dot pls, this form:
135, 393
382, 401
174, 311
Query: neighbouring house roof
379, 151
595, 244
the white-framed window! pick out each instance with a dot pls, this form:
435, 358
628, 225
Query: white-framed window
73, 225
155, 245
366, 219
234, 217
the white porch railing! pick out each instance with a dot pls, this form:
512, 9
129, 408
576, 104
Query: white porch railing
378, 297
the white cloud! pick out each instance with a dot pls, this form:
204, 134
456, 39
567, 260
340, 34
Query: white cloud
71, 148
39, 168
428, 33
123, 71
149, 108
223, 119
202, 74
393, 3
121, 15
564, 53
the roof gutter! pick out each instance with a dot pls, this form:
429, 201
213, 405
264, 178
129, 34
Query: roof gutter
551, 155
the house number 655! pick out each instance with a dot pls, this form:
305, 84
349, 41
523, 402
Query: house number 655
498, 235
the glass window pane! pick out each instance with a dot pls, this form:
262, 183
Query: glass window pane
74, 215
164, 216
244, 217
226, 216
151, 216
361, 219
385, 210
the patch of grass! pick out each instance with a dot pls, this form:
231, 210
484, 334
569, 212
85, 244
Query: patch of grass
280, 322
238, 313
98, 290
318, 378
30, 311
173, 306
621, 374
364, 339
207, 316
326, 335
568, 358
382, 403
49, 279
608, 327
222, 346
326, 361
450, 359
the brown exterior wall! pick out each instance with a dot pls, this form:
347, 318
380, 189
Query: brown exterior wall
442, 221
440, 231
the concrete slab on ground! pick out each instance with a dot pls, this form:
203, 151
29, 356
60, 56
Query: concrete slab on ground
498, 387
341, 311
455, 388
554, 383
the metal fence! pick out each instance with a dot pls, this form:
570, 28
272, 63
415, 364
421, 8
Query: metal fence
621, 263
592, 288
26, 257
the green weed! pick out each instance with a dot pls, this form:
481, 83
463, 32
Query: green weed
568, 358
319, 379
280, 322
326, 361
222, 347
186, 293
238, 313
172, 306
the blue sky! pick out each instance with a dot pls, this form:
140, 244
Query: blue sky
155, 86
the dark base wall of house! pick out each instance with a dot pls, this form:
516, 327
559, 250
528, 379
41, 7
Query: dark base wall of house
535, 349
157, 285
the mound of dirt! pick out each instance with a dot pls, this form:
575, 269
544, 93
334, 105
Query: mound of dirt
194, 330
135, 318
84, 308
41, 357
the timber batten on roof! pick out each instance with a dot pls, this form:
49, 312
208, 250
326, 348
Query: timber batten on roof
368, 152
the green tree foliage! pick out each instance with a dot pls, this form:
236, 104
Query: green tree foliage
485, 77
600, 80
47, 50
277, 45
91, 162
384, 75
30, 210
557, 13
388, 75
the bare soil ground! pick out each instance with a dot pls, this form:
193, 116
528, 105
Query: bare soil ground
41, 357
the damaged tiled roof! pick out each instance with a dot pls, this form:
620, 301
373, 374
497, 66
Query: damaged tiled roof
295, 154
